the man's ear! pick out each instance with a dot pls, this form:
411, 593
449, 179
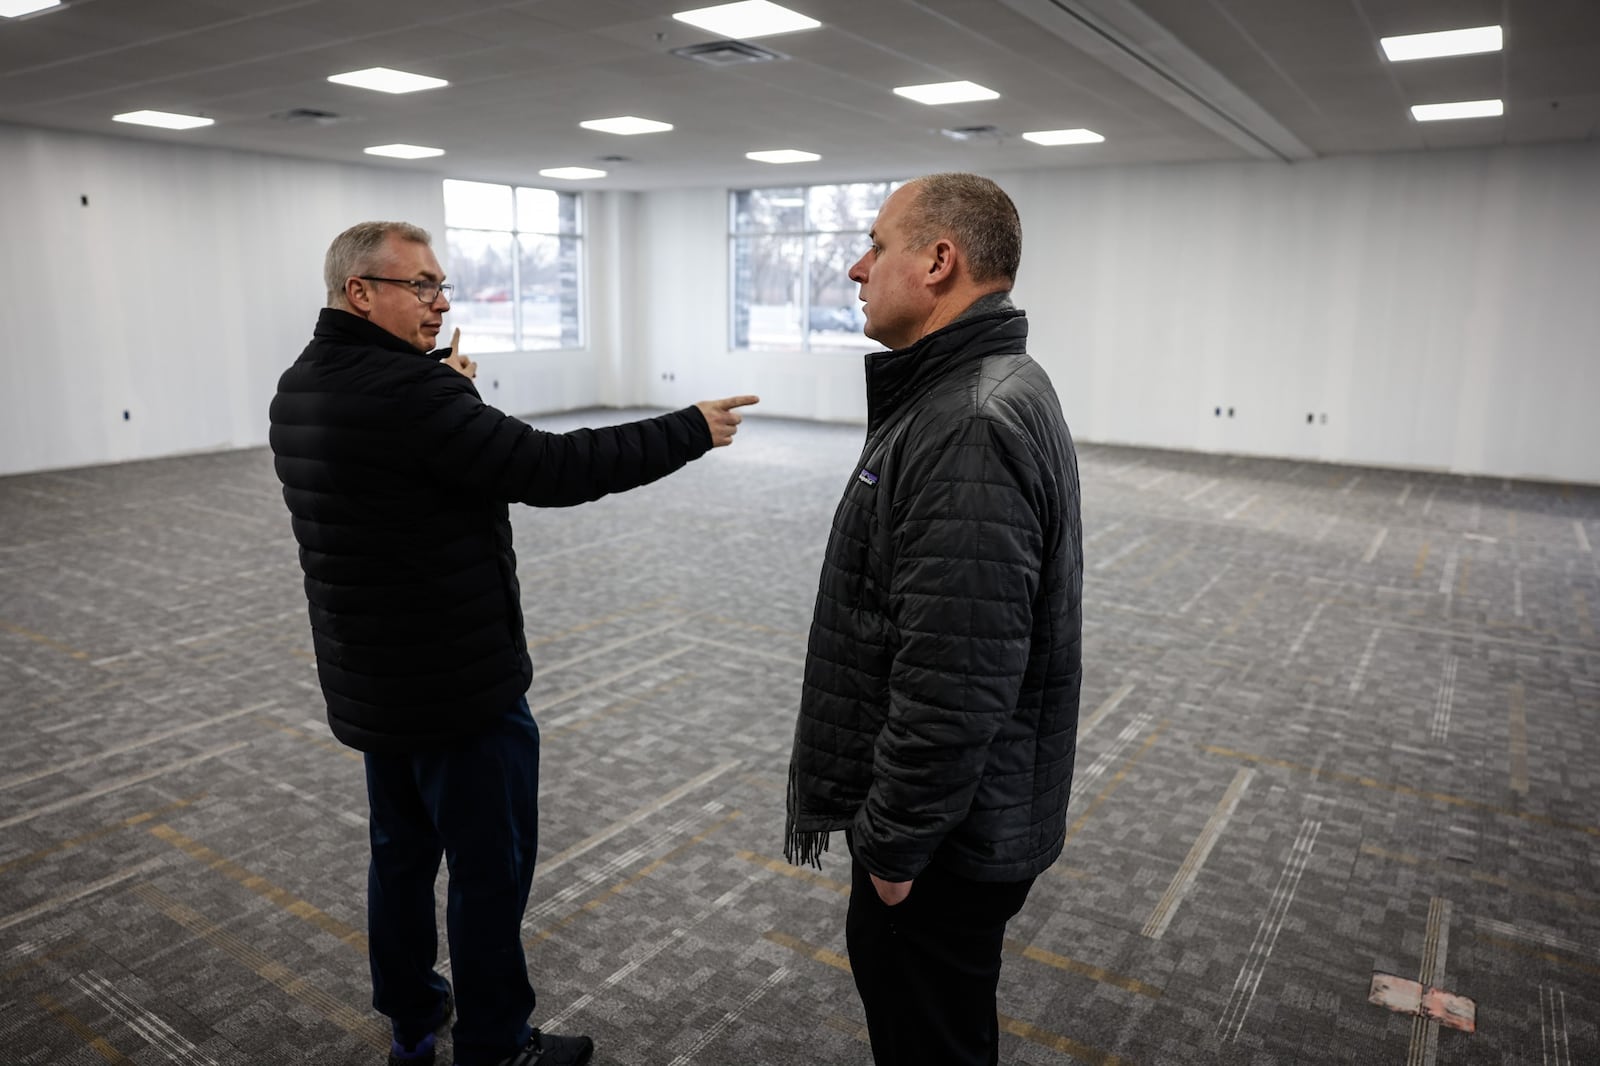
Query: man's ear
942, 261
358, 294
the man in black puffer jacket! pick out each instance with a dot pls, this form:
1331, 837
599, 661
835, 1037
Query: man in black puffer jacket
938, 720
397, 477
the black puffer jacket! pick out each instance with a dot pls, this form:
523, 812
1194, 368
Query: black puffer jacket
397, 478
938, 720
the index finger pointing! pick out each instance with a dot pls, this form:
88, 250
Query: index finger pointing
738, 401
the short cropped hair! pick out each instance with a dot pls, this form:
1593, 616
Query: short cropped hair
357, 251
976, 214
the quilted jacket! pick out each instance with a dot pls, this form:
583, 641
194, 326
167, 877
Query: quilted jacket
938, 718
397, 477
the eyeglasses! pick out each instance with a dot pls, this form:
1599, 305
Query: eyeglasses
427, 291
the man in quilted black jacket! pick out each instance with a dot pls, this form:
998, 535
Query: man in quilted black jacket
938, 719
397, 477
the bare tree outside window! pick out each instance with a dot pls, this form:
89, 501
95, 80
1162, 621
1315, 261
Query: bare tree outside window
478, 262
791, 249
515, 256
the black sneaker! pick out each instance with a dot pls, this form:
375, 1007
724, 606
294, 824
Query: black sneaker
422, 1052
548, 1049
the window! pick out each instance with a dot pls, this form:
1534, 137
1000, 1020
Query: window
791, 249
515, 256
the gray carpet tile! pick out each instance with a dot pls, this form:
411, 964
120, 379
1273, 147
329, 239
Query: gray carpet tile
1335, 721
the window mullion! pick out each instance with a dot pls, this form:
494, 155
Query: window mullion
516, 290
807, 244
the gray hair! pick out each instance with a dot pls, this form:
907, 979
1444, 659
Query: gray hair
976, 214
358, 250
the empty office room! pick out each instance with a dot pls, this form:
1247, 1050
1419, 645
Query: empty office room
676, 369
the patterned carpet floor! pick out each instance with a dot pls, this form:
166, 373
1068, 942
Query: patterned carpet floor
1337, 723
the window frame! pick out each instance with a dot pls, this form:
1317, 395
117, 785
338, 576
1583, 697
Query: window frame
807, 236
516, 234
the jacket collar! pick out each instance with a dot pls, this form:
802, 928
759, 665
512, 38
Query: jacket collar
893, 378
334, 324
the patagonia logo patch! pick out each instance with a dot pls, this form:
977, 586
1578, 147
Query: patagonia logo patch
867, 477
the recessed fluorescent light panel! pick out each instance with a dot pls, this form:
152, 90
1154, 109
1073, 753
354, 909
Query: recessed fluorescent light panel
1052, 137
11, 9
752, 18
783, 155
164, 119
572, 173
626, 125
385, 80
946, 92
1461, 109
404, 151
1445, 43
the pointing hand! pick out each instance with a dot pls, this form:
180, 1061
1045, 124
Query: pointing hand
722, 419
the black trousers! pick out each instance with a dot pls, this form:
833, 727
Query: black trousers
476, 806
927, 968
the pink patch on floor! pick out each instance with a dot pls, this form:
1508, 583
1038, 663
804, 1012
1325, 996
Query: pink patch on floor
1447, 1008
1409, 997
1396, 993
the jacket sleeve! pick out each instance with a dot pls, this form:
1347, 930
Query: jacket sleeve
968, 546
468, 444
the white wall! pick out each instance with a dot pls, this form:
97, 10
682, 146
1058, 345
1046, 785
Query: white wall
1440, 308
1443, 309
183, 289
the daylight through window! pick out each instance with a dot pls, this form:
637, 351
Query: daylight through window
515, 256
790, 250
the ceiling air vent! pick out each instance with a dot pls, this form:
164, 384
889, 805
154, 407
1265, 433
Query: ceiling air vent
306, 116
974, 133
726, 53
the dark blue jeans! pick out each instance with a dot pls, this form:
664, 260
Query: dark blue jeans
476, 805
